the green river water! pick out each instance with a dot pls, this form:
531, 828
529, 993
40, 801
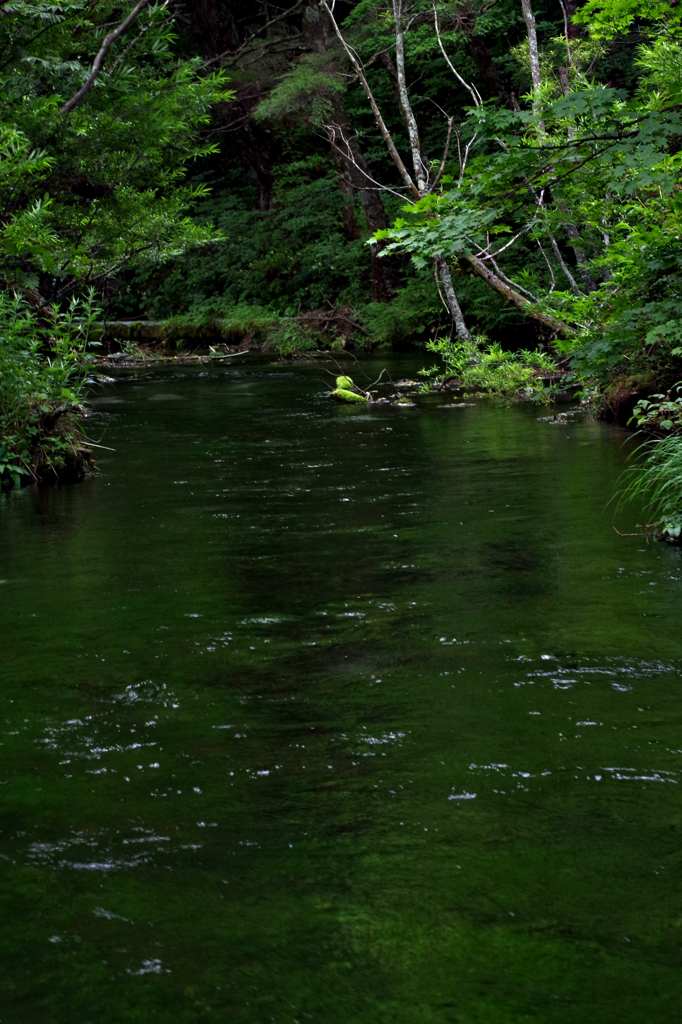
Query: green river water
322, 714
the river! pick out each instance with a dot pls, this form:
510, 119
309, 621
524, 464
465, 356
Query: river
350, 716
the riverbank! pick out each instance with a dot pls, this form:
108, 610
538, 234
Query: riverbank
48, 440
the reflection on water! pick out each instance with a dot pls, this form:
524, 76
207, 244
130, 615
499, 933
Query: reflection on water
316, 714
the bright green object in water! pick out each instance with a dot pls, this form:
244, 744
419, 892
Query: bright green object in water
348, 719
344, 391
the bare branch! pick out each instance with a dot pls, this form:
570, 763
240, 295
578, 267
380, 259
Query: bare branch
521, 303
471, 89
463, 161
99, 59
249, 39
562, 263
348, 155
441, 169
124, 53
549, 266
386, 135
568, 46
512, 284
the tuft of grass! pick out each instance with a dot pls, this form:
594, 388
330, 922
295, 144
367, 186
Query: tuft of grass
656, 478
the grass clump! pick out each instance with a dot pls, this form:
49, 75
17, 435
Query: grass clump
656, 479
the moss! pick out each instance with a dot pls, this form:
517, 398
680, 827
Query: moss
343, 395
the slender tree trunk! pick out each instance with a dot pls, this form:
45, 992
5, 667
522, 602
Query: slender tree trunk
533, 51
352, 170
581, 258
351, 231
570, 7
352, 167
395, 86
381, 124
451, 299
351, 163
419, 171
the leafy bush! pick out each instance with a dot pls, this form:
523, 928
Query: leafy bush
409, 316
290, 258
480, 366
659, 412
43, 367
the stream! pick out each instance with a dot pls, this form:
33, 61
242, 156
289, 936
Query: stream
315, 713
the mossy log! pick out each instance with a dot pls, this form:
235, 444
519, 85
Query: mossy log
344, 395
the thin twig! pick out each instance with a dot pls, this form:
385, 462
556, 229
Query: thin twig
441, 169
470, 88
249, 39
549, 266
386, 135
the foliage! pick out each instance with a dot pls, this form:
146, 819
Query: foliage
573, 202
290, 337
411, 315
288, 258
659, 412
656, 479
304, 89
83, 194
43, 368
103, 184
480, 366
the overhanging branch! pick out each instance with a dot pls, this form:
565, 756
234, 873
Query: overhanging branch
99, 59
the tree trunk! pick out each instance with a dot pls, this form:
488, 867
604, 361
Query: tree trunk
351, 231
213, 25
419, 170
352, 166
532, 45
573, 31
482, 58
451, 299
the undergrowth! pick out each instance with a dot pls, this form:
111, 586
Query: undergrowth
479, 365
43, 370
656, 479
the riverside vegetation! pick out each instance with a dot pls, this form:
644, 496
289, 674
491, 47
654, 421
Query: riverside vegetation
470, 177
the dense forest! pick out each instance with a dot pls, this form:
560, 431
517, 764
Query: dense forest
493, 180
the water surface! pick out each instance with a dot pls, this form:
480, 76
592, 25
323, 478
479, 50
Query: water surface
315, 713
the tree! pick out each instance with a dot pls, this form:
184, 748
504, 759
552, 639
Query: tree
96, 130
